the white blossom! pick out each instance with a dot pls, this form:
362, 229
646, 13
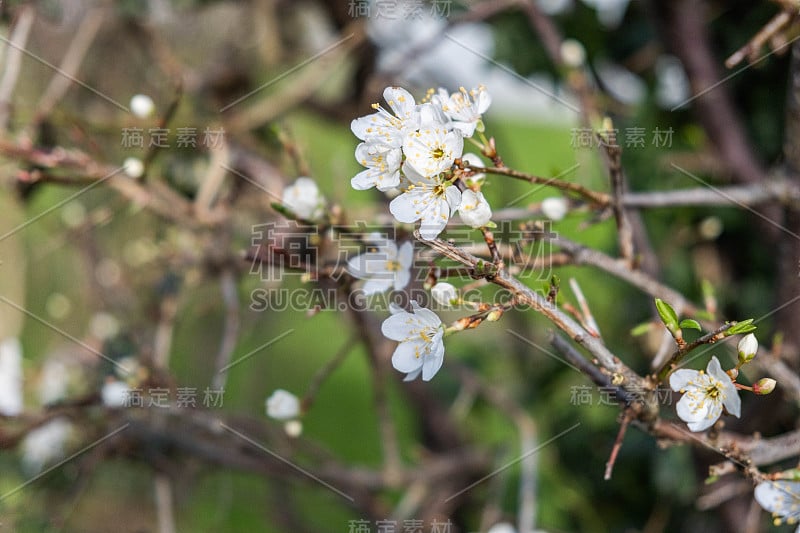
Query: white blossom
115, 394
464, 108
133, 167
704, 395
45, 444
283, 405
421, 349
432, 150
388, 129
554, 208
430, 200
782, 499
383, 167
474, 210
385, 268
304, 199
444, 293
10, 377
142, 105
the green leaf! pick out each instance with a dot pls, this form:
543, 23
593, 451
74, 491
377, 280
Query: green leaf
690, 324
745, 326
668, 315
641, 329
283, 210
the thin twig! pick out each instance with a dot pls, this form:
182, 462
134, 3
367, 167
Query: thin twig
598, 198
62, 80
230, 297
623, 427
15, 47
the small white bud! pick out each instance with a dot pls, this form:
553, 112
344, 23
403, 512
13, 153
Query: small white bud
554, 208
764, 386
474, 210
444, 293
283, 405
142, 105
474, 162
293, 428
133, 167
502, 527
573, 53
304, 199
114, 394
748, 347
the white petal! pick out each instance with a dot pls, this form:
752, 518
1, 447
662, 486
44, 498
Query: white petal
453, 196
428, 317
732, 402
400, 100
407, 356
403, 207
398, 326
434, 220
467, 129
715, 369
679, 379
401, 279
431, 366
367, 265
406, 254
376, 285
411, 376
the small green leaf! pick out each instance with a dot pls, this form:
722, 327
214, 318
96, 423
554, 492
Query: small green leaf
283, 210
490, 225
690, 324
641, 329
668, 315
710, 480
745, 326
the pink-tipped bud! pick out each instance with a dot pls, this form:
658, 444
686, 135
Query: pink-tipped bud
764, 386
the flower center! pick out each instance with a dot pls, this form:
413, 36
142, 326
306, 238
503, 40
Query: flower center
713, 392
393, 266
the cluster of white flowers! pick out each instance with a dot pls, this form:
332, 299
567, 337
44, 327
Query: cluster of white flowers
412, 148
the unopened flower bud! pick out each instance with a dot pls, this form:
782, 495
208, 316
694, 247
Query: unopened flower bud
764, 386
142, 105
733, 373
133, 167
554, 208
444, 293
283, 405
748, 347
494, 315
573, 54
293, 428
